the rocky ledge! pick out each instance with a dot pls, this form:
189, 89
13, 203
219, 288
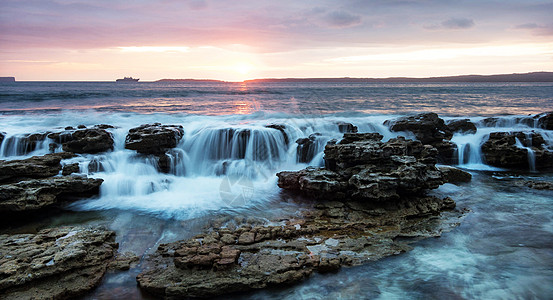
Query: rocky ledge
370, 194
58, 263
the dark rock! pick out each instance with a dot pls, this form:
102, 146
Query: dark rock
427, 127
39, 193
462, 126
447, 152
70, 169
344, 127
57, 263
501, 150
364, 168
455, 175
69, 128
81, 127
89, 141
307, 148
282, 130
545, 120
153, 138
34, 167
2, 135
104, 126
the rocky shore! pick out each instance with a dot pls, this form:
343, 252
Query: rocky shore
372, 199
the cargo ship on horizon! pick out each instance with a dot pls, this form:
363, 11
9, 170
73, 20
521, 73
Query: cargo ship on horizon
127, 79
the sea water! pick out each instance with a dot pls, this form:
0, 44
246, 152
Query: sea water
225, 165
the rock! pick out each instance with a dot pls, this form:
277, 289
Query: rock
56, 263
34, 167
362, 167
447, 152
344, 127
35, 194
501, 150
545, 120
328, 236
124, 261
89, 141
282, 130
2, 136
70, 169
307, 148
81, 127
427, 127
461, 125
537, 185
104, 126
153, 138
454, 175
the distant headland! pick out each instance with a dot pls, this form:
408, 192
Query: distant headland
7, 79
515, 77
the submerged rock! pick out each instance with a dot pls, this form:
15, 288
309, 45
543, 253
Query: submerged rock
364, 168
462, 125
34, 167
153, 138
57, 263
501, 150
536, 184
35, 194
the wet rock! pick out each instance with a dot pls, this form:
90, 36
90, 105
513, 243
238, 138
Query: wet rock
34, 167
35, 194
344, 127
427, 127
57, 263
282, 129
536, 184
362, 167
328, 236
501, 150
104, 126
462, 126
153, 138
89, 141
70, 169
124, 261
455, 175
81, 127
545, 120
447, 152
307, 148
2, 135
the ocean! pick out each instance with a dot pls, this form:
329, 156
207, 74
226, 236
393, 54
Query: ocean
502, 248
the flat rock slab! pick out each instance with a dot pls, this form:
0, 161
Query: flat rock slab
153, 138
39, 193
323, 239
34, 167
57, 263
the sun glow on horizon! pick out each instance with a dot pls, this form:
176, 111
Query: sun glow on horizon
243, 68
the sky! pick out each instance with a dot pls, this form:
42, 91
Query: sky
234, 40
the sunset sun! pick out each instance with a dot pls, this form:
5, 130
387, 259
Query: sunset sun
243, 68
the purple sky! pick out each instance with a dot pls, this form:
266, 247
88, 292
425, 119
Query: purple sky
236, 40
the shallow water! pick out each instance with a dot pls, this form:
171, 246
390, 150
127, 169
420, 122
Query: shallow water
501, 250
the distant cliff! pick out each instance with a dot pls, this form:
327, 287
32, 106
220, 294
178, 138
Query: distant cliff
522, 77
7, 79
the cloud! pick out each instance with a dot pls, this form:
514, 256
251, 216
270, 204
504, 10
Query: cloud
341, 19
452, 23
537, 29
